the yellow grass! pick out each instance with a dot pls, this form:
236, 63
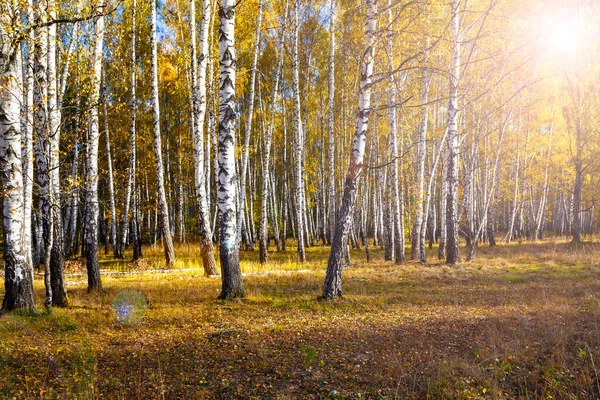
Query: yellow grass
519, 322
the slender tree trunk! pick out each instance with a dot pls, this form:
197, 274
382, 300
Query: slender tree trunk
541, 209
59, 294
111, 184
199, 110
165, 227
42, 149
331, 121
428, 199
27, 148
453, 146
285, 183
130, 191
74, 202
298, 145
416, 245
397, 215
333, 279
226, 196
577, 188
488, 196
268, 191
18, 275
248, 127
91, 164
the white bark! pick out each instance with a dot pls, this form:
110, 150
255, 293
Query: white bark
453, 147
249, 116
91, 164
111, 182
199, 103
42, 148
226, 192
268, 190
331, 121
397, 215
160, 179
27, 137
18, 277
299, 141
129, 202
333, 278
59, 295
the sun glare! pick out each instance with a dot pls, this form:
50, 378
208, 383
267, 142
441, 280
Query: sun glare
564, 35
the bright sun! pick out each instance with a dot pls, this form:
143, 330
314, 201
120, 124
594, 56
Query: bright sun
563, 35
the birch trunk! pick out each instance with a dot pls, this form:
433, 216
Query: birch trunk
331, 121
453, 147
59, 297
160, 179
91, 164
27, 138
542, 207
418, 248
428, 201
42, 149
248, 127
132, 142
488, 196
111, 183
226, 195
298, 139
18, 276
397, 215
268, 190
199, 110
333, 280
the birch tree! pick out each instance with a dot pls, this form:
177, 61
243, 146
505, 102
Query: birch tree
231, 274
331, 120
130, 191
453, 146
333, 278
417, 247
42, 148
59, 293
298, 138
248, 127
91, 163
160, 179
397, 215
267, 189
199, 104
111, 184
27, 138
18, 276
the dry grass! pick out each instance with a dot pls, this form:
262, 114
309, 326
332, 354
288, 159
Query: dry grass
522, 321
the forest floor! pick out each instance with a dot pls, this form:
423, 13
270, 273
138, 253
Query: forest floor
521, 321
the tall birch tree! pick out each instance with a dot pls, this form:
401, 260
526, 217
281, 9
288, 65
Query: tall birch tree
298, 138
91, 163
160, 179
452, 143
18, 276
333, 279
267, 189
231, 275
199, 104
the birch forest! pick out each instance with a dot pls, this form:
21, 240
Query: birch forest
305, 199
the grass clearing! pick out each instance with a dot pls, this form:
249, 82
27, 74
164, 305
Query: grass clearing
522, 321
